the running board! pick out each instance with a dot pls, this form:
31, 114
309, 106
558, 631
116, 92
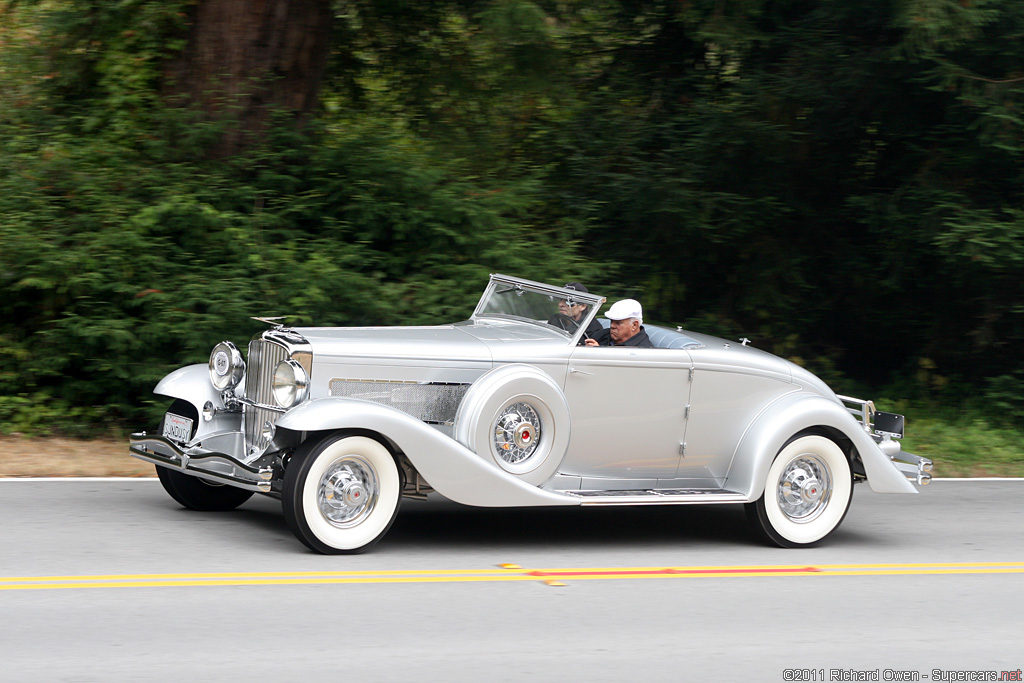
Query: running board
657, 497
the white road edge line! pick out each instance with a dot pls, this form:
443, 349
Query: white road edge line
89, 479
977, 478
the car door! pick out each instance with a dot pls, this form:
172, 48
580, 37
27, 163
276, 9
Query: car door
732, 384
628, 410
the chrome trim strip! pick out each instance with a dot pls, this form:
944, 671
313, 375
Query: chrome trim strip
585, 297
658, 497
261, 406
160, 451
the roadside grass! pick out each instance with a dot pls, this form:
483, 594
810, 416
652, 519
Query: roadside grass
963, 443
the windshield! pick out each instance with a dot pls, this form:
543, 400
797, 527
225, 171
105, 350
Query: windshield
535, 303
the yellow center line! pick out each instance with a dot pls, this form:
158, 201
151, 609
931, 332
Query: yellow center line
552, 576
261, 575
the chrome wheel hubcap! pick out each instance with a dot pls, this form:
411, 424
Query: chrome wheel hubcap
348, 491
516, 433
804, 488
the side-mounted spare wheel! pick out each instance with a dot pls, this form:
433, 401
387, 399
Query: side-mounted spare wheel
192, 492
806, 494
517, 418
341, 493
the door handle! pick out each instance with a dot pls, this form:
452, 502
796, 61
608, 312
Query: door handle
574, 371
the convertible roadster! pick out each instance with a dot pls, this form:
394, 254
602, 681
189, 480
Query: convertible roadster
509, 409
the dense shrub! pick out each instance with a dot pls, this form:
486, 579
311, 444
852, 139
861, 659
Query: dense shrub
839, 181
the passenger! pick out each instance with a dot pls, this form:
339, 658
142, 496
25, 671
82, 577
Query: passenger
572, 312
626, 329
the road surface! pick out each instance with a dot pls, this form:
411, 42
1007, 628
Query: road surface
109, 580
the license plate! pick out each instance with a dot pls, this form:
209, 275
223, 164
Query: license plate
889, 424
177, 428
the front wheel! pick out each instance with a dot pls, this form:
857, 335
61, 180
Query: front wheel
198, 494
341, 493
806, 494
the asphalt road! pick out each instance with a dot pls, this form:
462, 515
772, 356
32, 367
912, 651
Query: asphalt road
112, 581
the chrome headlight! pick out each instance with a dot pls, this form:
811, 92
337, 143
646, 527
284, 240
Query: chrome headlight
291, 384
226, 366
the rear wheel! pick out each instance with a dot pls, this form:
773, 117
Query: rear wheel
341, 493
806, 495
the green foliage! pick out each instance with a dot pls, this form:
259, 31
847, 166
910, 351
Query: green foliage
115, 275
1005, 394
845, 175
964, 444
840, 182
123, 256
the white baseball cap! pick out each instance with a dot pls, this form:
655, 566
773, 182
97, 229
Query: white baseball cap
627, 308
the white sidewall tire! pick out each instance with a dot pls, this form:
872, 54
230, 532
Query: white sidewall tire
378, 520
823, 450
195, 493
491, 395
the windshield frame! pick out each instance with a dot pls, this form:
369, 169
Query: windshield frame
499, 282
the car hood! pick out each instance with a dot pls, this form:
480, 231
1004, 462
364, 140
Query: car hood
445, 343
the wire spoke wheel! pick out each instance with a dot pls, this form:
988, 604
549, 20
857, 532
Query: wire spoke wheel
517, 418
517, 433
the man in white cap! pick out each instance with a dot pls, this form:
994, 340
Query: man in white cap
626, 328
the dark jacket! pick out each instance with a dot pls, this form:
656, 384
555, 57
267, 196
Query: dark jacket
639, 340
566, 323
594, 331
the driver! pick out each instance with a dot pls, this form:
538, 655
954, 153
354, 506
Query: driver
570, 312
626, 328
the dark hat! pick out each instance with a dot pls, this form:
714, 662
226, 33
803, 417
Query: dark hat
578, 287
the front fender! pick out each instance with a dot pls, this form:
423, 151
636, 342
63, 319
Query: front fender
190, 383
450, 468
796, 413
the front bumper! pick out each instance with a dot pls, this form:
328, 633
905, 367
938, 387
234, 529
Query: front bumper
261, 475
914, 467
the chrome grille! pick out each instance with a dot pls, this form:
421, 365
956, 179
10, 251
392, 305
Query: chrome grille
430, 402
259, 376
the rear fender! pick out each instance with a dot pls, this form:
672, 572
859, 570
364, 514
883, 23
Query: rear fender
450, 468
798, 413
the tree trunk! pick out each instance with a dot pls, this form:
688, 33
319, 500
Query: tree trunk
246, 59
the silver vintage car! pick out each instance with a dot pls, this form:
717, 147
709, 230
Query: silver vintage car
508, 408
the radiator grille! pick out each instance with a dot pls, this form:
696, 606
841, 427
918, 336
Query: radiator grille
259, 376
435, 403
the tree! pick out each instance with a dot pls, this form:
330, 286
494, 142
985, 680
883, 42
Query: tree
834, 179
243, 61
